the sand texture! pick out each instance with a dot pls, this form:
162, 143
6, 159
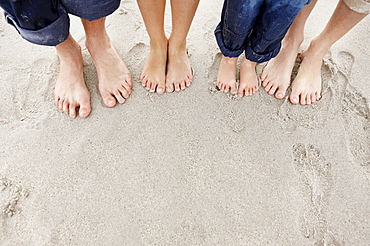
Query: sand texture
198, 167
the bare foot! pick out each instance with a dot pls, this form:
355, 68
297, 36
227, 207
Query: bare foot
248, 84
226, 77
277, 73
70, 89
115, 81
179, 72
153, 77
306, 87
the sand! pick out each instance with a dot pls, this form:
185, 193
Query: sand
197, 167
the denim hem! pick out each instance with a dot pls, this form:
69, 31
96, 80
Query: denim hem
94, 11
224, 50
51, 35
253, 56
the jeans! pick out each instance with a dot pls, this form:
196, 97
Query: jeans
46, 22
255, 27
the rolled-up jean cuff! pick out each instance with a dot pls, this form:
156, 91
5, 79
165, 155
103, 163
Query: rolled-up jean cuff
95, 11
259, 58
224, 50
51, 35
359, 6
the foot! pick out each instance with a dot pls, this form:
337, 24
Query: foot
226, 77
115, 81
306, 87
249, 82
70, 90
179, 71
153, 77
277, 73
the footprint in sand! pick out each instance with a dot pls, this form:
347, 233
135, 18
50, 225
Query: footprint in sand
31, 101
356, 114
212, 74
11, 196
2, 34
137, 55
354, 108
314, 173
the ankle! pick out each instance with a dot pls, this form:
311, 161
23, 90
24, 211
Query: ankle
70, 52
317, 48
249, 63
176, 46
100, 41
159, 44
230, 60
292, 42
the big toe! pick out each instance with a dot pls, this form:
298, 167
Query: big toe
294, 98
85, 109
280, 94
108, 99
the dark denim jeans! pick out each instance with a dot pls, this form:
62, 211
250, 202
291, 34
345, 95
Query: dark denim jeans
46, 22
256, 27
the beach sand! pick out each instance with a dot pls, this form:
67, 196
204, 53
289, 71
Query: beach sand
198, 167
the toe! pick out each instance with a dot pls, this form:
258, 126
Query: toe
272, 90
153, 86
177, 87
182, 85
280, 94
72, 110
233, 89
85, 109
108, 99
313, 98
188, 82
160, 90
303, 99
66, 107
60, 105
124, 93
308, 99
241, 91
128, 80
169, 88
128, 87
143, 81
294, 97
119, 97
268, 87
218, 84
263, 75
148, 85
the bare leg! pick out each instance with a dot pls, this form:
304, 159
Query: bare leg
248, 84
114, 78
276, 75
306, 88
226, 77
70, 89
153, 76
179, 72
